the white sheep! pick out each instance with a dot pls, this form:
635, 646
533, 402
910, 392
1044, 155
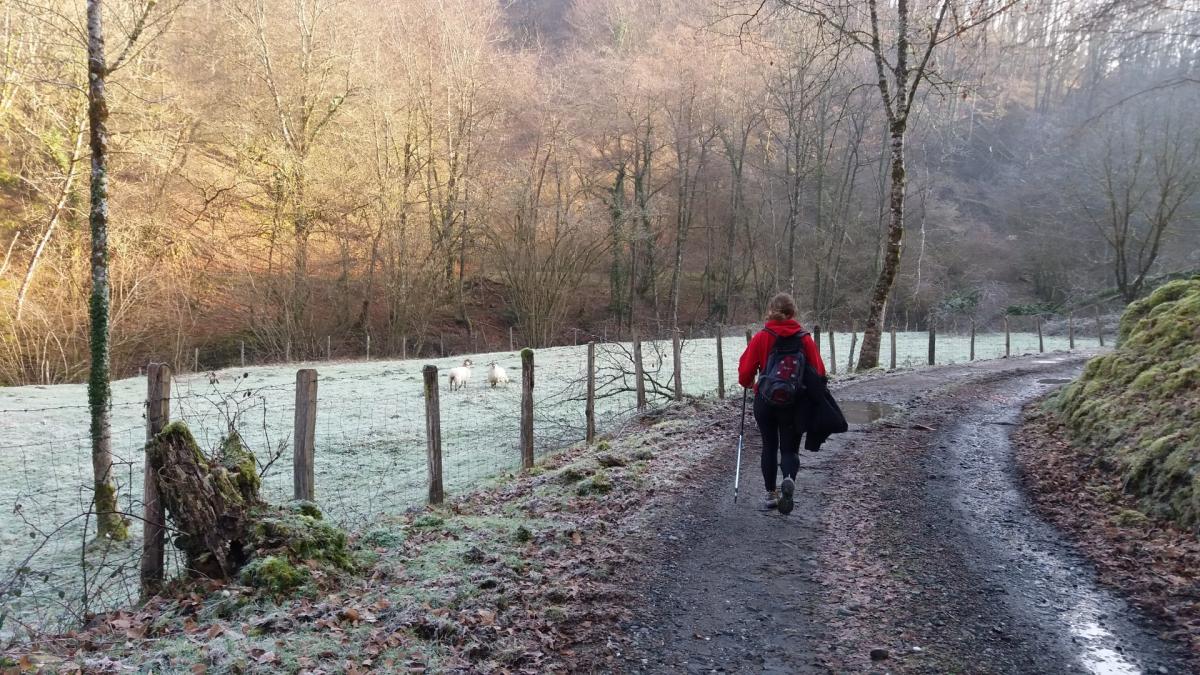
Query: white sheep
460, 376
497, 375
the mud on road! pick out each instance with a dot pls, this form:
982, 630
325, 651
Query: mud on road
911, 549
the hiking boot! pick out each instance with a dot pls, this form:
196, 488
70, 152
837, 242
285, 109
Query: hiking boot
785, 502
772, 501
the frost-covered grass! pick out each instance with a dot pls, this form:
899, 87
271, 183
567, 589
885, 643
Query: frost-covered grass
370, 438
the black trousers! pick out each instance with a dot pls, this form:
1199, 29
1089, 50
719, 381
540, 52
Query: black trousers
780, 438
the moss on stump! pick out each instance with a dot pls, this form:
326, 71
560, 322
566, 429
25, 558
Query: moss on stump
1140, 405
226, 529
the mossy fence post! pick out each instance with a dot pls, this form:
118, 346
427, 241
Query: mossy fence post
832, 353
527, 408
638, 374
304, 435
892, 360
158, 413
243, 350
720, 366
433, 434
676, 365
589, 411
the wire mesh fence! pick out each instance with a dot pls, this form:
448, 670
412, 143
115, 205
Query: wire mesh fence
370, 441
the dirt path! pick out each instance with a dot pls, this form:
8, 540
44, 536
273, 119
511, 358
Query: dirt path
911, 549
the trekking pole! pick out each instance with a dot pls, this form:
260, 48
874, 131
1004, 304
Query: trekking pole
737, 474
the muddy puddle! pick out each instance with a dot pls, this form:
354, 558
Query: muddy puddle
865, 412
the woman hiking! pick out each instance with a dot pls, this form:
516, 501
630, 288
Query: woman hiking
780, 349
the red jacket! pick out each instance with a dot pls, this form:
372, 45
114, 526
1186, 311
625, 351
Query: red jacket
754, 359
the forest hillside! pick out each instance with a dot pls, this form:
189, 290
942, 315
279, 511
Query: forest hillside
300, 176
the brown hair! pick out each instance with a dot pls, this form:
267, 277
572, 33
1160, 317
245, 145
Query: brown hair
781, 308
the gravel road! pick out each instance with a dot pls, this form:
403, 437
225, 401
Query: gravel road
911, 549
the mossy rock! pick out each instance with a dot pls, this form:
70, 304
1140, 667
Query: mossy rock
597, 484
1139, 405
274, 574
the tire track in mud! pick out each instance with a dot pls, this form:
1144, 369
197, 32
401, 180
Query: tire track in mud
911, 549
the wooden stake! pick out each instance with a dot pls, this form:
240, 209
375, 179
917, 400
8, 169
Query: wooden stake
328, 349
893, 359
720, 366
196, 360
511, 343
638, 375
932, 343
287, 352
1041, 342
526, 408
853, 344
403, 347
972, 340
158, 413
243, 353
832, 353
676, 353
433, 434
304, 434
1007, 339
589, 412
1071, 331
368, 347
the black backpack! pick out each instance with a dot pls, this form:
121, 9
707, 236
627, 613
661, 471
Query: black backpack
782, 381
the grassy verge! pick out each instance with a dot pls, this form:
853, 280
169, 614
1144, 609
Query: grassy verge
522, 575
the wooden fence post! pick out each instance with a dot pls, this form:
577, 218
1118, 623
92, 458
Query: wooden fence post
853, 344
893, 358
287, 352
1071, 331
589, 412
638, 375
511, 344
972, 340
832, 353
368, 347
720, 366
1007, 338
676, 353
158, 413
433, 434
1041, 342
441, 345
196, 360
527, 408
932, 343
328, 349
403, 347
1099, 327
304, 435
243, 353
